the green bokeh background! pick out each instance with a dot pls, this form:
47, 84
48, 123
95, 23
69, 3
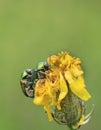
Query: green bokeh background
32, 30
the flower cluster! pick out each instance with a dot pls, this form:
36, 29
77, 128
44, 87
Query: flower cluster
63, 90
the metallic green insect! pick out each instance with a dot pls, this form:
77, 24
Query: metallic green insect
30, 77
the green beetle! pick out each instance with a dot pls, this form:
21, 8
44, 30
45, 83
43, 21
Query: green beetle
30, 77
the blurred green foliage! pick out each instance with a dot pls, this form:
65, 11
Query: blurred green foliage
32, 30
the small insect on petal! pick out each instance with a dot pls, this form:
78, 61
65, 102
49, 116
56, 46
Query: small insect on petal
58, 85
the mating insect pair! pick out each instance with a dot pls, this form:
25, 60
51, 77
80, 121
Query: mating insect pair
30, 77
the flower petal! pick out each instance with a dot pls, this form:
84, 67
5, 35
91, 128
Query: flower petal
63, 90
68, 77
78, 88
47, 109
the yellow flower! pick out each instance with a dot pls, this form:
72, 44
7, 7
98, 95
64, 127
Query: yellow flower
62, 88
47, 90
71, 69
